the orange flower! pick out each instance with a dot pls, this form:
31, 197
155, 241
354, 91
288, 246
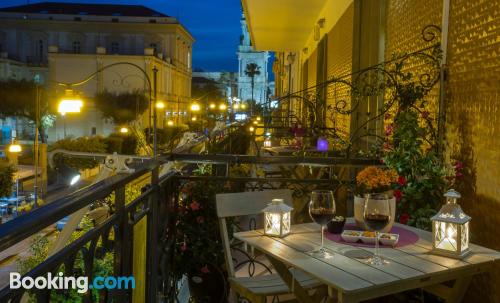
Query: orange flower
373, 177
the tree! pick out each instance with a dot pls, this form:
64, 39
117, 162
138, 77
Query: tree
6, 182
122, 108
252, 70
18, 99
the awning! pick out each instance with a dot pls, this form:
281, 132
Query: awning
281, 25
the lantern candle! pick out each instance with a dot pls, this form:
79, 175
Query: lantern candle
450, 229
267, 142
277, 218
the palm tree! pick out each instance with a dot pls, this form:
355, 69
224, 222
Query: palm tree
252, 70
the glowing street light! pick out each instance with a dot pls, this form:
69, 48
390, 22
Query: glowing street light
170, 123
212, 105
195, 107
160, 105
223, 106
70, 103
193, 119
258, 118
251, 129
15, 148
124, 130
243, 106
236, 106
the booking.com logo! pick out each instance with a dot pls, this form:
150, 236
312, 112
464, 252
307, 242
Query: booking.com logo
59, 281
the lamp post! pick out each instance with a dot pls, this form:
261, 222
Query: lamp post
15, 149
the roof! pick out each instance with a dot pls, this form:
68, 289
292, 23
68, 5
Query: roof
84, 9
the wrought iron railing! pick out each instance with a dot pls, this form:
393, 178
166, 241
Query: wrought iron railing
350, 109
156, 204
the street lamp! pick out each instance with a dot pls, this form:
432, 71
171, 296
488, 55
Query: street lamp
195, 107
160, 105
70, 103
170, 123
124, 130
15, 148
212, 105
236, 106
222, 106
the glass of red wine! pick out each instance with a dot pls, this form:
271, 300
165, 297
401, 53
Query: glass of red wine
377, 215
322, 211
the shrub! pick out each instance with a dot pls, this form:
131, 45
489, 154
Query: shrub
82, 144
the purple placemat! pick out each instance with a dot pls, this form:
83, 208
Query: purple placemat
406, 237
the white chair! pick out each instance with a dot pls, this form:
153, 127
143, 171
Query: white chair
249, 205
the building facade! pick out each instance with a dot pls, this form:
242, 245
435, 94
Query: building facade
65, 42
248, 55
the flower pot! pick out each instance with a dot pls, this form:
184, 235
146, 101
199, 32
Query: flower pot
207, 287
359, 206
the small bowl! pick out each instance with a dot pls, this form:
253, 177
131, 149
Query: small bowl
336, 225
350, 236
389, 239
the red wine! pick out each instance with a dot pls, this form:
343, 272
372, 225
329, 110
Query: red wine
376, 221
322, 215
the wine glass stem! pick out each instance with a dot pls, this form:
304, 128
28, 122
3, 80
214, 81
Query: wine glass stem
322, 237
376, 244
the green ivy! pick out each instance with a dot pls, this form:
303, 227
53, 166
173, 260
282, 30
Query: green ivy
6, 179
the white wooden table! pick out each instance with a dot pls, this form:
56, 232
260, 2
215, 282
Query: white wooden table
354, 280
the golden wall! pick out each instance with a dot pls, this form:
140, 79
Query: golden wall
339, 64
473, 124
405, 20
472, 107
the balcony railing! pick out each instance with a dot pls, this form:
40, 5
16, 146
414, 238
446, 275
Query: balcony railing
156, 204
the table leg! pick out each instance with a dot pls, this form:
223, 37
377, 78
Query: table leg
293, 284
452, 294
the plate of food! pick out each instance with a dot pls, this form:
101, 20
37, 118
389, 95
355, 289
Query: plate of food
351, 235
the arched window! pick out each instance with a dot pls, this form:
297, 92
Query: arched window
77, 47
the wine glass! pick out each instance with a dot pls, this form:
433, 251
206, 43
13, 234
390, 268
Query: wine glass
377, 215
321, 210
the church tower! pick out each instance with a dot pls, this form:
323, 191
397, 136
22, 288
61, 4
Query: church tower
247, 55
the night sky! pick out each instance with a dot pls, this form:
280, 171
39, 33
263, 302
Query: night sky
215, 24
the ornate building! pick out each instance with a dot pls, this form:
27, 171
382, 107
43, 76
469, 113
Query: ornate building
66, 42
248, 55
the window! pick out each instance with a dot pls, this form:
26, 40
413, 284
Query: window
93, 131
154, 47
77, 47
115, 48
40, 50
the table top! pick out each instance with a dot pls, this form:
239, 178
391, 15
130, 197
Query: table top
410, 266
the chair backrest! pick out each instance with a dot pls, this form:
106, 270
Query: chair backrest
249, 203
244, 204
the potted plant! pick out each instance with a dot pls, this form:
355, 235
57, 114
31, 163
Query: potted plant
374, 180
199, 253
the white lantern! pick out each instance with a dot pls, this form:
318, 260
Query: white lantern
277, 218
267, 142
450, 228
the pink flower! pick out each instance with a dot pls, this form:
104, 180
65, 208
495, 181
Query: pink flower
205, 269
200, 219
403, 218
398, 194
459, 165
184, 246
194, 205
425, 114
389, 129
402, 180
